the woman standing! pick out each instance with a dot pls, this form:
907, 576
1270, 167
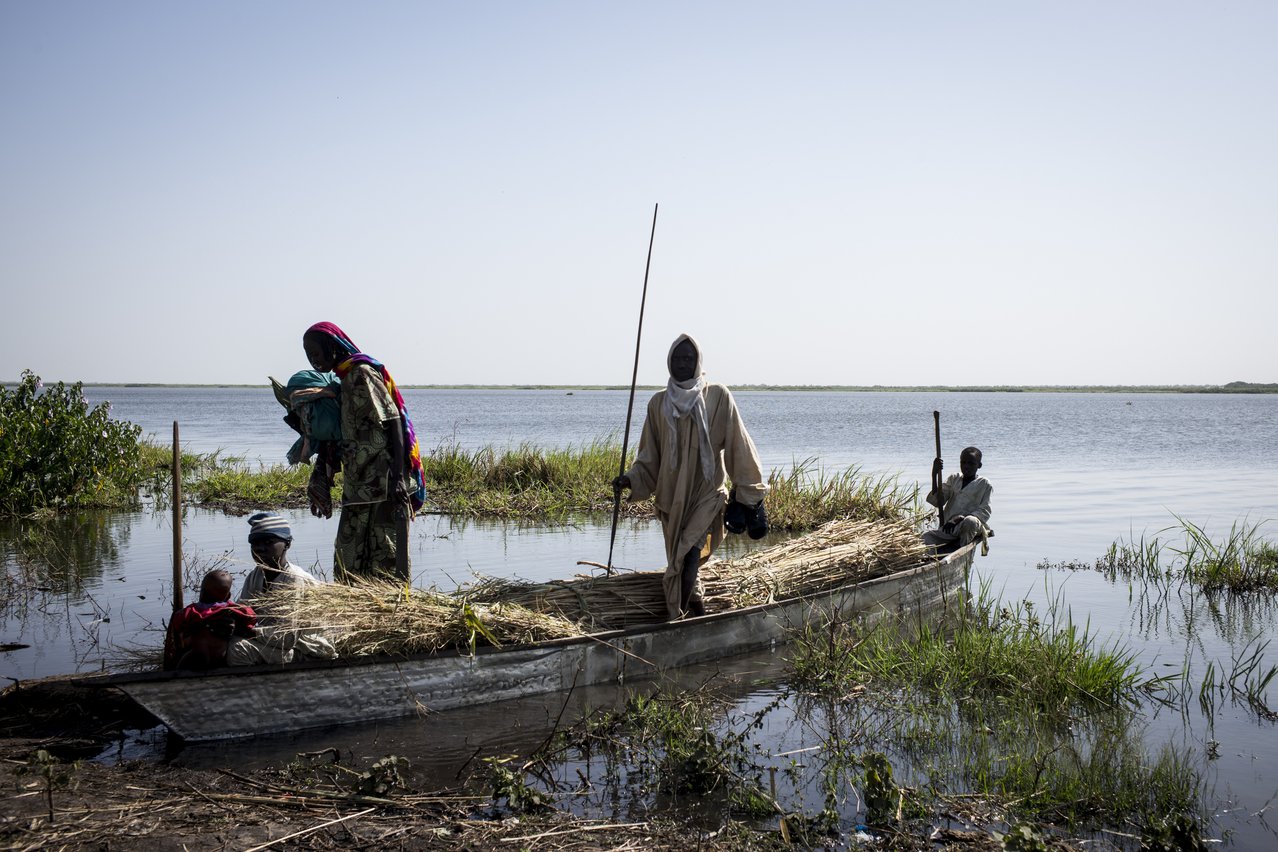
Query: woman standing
381, 461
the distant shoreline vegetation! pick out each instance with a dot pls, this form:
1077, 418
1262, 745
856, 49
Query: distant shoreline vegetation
1231, 387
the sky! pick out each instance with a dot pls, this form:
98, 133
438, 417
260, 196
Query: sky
850, 193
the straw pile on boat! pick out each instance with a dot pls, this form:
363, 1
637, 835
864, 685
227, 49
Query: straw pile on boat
386, 618
839, 552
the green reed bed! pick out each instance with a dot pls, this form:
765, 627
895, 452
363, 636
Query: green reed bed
523, 481
806, 496
993, 650
538, 483
234, 486
1240, 562
1243, 561
1007, 715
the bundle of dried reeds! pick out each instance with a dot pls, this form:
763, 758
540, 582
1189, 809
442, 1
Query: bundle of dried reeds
387, 618
840, 552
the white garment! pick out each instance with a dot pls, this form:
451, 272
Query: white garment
972, 500
688, 399
690, 506
291, 575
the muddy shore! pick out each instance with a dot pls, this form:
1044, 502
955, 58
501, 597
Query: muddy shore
57, 796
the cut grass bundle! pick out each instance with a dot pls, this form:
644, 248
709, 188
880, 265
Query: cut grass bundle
388, 618
838, 553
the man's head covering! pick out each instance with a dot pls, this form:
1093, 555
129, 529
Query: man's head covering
699, 368
354, 356
265, 525
688, 399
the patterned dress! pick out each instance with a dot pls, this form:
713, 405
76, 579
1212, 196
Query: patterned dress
365, 545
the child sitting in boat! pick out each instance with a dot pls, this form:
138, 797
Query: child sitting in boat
198, 637
965, 501
311, 399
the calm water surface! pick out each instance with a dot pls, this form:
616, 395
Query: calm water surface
1071, 473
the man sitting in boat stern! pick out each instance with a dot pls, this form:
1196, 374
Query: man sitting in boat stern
692, 437
269, 539
965, 498
274, 640
199, 635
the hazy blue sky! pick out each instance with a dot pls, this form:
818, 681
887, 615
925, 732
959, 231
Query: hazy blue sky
851, 193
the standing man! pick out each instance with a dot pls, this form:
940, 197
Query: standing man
382, 477
692, 437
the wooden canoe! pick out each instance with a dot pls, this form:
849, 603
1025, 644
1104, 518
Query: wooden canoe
245, 702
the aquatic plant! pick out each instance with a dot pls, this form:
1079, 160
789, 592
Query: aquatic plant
58, 453
1242, 562
806, 496
233, 486
992, 649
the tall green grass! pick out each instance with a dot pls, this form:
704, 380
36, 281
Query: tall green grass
536, 483
524, 481
1012, 709
1008, 652
805, 496
1240, 562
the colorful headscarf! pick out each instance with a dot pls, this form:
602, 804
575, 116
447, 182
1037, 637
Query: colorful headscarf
353, 357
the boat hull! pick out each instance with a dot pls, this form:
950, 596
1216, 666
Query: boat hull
245, 702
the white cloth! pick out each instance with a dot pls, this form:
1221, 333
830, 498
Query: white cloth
689, 506
688, 399
277, 643
291, 575
972, 500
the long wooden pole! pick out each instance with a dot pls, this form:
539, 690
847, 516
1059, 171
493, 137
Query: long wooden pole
630, 406
937, 479
177, 520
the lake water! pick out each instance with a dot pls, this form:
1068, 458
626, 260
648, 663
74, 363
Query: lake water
1071, 474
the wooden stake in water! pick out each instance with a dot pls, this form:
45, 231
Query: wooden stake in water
177, 520
630, 406
936, 476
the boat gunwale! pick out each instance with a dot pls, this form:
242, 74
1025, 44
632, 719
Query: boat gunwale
605, 637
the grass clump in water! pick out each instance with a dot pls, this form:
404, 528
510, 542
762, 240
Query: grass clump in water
806, 497
1243, 561
538, 483
523, 481
1007, 651
1025, 714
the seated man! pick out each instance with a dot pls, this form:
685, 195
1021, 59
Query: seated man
269, 539
273, 641
965, 500
198, 637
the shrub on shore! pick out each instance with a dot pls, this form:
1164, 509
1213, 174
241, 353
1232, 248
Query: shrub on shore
57, 452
